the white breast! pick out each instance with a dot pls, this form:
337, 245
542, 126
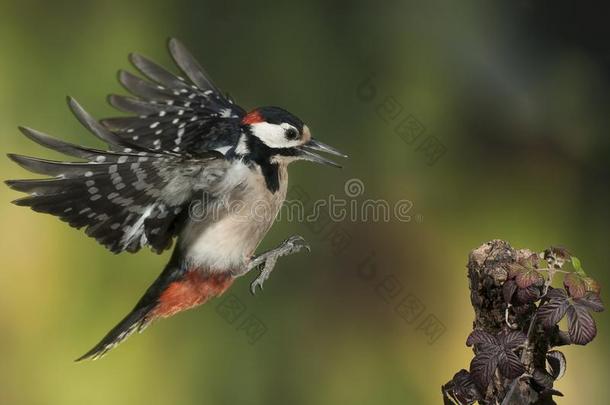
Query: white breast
230, 233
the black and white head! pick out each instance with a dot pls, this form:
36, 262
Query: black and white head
275, 136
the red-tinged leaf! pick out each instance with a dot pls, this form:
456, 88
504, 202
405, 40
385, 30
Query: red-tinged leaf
575, 285
556, 362
527, 295
552, 312
509, 364
530, 261
514, 269
527, 278
581, 325
508, 289
592, 285
523, 264
480, 336
482, 369
510, 340
592, 301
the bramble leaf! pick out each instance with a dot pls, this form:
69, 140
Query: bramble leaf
509, 364
512, 339
554, 310
508, 290
478, 336
557, 294
514, 269
528, 277
556, 362
523, 265
575, 285
592, 285
463, 388
591, 301
495, 352
578, 266
578, 285
482, 368
543, 378
581, 325
527, 295
531, 262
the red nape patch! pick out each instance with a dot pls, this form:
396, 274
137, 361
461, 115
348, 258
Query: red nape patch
194, 289
252, 117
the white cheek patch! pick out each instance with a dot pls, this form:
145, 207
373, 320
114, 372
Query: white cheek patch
272, 135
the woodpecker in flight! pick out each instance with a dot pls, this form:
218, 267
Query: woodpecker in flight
187, 146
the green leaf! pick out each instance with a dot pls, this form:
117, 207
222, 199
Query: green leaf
578, 266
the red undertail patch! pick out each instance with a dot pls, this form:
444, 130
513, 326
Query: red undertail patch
194, 289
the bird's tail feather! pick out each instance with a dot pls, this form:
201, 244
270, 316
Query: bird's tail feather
175, 290
136, 320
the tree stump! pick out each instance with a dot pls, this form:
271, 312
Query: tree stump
515, 324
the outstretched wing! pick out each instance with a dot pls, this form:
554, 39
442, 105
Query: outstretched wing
182, 115
125, 200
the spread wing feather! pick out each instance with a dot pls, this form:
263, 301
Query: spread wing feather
182, 115
138, 192
124, 200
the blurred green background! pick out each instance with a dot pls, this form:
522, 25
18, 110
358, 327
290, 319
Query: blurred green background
517, 92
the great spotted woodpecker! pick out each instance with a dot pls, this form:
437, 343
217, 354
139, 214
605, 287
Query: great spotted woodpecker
188, 145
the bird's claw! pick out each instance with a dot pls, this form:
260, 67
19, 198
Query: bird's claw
258, 282
294, 244
268, 266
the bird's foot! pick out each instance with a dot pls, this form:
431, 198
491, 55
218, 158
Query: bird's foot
267, 260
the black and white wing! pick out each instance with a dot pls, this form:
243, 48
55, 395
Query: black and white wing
182, 115
138, 192
125, 200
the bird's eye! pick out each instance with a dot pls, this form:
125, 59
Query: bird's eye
291, 133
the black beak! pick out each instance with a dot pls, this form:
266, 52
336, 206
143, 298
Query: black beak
315, 145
